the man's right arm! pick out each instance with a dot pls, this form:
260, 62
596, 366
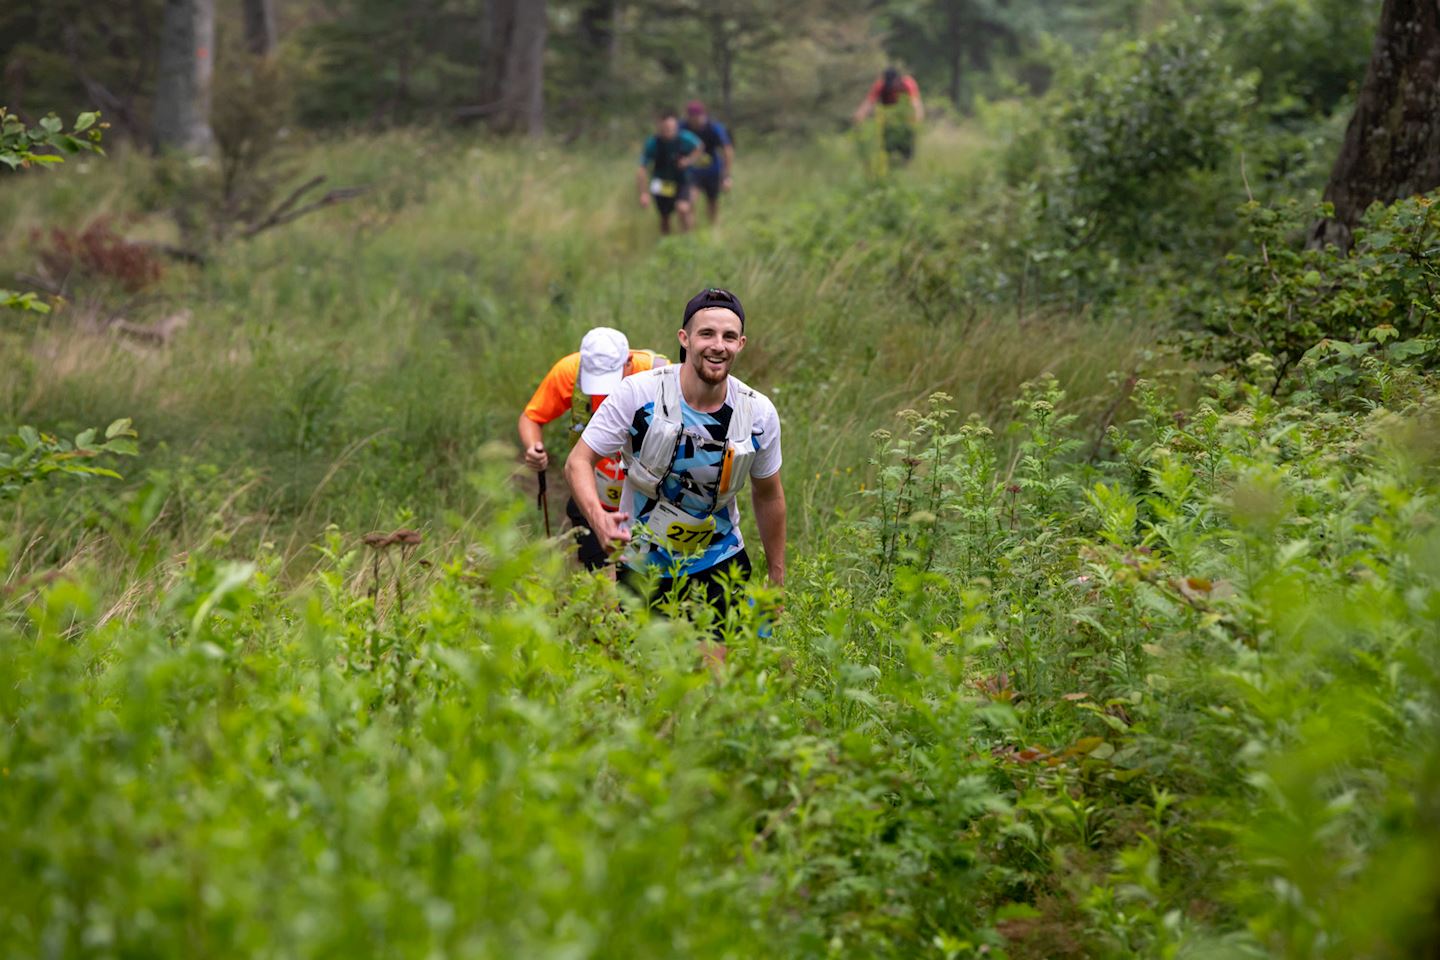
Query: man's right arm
866, 105
550, 401
641, 176
532, 441
607, 526
605, 436
642, 172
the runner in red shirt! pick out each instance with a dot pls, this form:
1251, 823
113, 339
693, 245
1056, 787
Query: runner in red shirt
888, 90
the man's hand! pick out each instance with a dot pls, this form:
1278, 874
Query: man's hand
644, 200
536, 458
726, 184
611, 529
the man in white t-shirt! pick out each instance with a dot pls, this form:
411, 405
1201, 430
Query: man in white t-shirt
692, 437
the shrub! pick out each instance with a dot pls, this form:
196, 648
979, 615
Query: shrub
97, 252
1307, 53
1284, 300
1157, 110
33, 456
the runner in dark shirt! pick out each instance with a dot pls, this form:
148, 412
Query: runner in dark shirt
712, 172
662, 171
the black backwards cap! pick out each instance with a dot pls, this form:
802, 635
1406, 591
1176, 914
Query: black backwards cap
712, 297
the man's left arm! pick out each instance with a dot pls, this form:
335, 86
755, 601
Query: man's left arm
768, 498
697, 147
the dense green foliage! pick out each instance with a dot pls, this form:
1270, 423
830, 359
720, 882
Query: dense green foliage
32, 456
44, 144
1115, 564
1092, 711
792, 67
1383, 293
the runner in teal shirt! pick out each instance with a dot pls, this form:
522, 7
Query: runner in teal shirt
661, 174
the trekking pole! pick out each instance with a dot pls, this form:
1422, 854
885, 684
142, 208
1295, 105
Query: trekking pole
544, 499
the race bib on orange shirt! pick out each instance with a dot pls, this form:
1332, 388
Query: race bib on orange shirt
609, 482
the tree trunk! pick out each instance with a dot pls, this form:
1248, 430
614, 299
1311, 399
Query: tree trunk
498, 26
597, 26
182, 93
617, 25
725, 63
260, 27
599, 39
522, 94
1392, 146
955, 49
512, 71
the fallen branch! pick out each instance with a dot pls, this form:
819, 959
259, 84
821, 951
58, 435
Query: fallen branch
182, 254
1127, 388
288, 212
159, 333
477, 110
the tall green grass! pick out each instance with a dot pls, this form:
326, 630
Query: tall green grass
1069, 664
350, 366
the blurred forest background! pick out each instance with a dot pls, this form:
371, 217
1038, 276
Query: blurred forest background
579, 68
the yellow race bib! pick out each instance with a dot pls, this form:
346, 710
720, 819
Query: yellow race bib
679, 532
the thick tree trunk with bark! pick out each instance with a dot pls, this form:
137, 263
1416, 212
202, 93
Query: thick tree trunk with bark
260, 31
1392, 146
182, 94
512, 73
499, 21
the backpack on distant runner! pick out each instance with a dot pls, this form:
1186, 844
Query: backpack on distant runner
893, 87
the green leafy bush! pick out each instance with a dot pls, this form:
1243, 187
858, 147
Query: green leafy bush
1157, 111
1285, 300
29, 456
1204, 667
1309, 54
18, 143
1176, 699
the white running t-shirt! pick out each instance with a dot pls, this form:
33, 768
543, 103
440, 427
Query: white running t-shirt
681, 531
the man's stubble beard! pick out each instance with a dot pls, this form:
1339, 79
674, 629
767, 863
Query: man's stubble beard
702, 372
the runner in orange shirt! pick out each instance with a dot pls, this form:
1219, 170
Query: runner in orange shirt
578, 384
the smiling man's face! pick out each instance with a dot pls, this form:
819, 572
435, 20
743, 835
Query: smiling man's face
712, 340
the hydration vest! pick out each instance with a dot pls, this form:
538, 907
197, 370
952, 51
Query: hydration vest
710, 139
655, 460
582, 408
666, 165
